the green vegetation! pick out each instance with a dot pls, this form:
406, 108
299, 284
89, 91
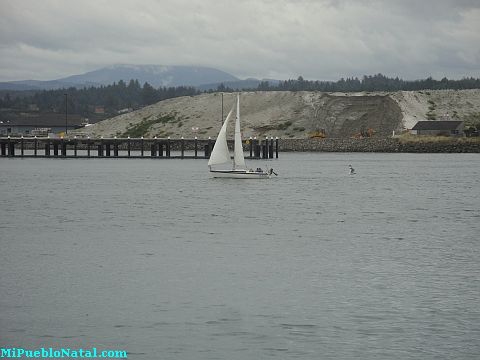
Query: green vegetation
472, 120
284, 126
142, 128
376, 82
431, 115
111, 98
265, 128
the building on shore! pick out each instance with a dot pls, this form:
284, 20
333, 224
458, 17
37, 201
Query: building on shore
438, 127
33, 122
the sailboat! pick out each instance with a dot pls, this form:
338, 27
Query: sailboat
221, 155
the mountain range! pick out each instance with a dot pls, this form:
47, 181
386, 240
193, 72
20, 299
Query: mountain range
204, 78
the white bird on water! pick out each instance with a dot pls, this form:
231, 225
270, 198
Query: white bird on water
352, 170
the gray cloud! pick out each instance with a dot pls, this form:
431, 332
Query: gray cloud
279, 39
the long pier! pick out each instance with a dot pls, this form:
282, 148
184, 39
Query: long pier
137, 148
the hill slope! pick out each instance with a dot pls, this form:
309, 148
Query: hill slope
289, 114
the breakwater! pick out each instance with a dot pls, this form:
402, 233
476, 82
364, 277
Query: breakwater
384, 145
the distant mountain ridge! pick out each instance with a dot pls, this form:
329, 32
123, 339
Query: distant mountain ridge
155, 75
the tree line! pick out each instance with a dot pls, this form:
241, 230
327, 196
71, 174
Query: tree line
83, 101
376, 82
121, 95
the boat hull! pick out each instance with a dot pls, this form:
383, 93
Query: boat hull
239, 174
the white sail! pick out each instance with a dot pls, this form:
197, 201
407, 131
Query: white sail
220, 153
238, 158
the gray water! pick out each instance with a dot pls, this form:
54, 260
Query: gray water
156, 258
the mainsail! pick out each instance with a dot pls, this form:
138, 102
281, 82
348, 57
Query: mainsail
238, 159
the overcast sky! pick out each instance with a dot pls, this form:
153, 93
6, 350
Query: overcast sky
318, 39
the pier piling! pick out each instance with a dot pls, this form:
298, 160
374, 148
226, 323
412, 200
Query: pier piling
11, 148
265, 149
208, 148
256, 148
64, 148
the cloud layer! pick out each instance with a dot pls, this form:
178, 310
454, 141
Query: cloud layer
261, 38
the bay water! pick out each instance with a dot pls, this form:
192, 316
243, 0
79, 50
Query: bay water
156, 258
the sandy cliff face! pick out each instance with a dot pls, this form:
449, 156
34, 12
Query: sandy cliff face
290, 114
345, 116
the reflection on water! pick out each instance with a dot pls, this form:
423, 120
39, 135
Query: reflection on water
155, 257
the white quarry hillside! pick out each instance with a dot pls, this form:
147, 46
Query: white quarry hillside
292, 114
